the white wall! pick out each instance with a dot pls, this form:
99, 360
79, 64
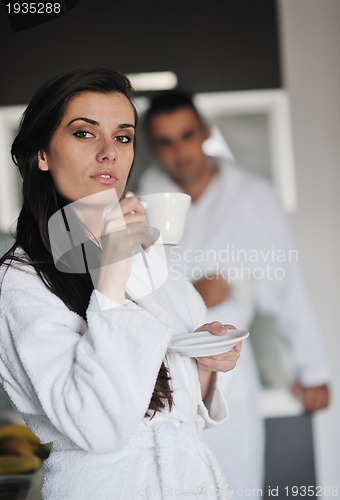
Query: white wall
310, 33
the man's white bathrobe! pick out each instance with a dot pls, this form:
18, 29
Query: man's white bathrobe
86, 387
237, 228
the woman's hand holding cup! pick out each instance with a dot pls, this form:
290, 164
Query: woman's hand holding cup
124, 230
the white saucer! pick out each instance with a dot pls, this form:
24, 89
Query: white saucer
198, 344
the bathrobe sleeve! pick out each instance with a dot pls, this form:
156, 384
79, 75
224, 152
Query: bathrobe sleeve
215, 409
92, 381
286, 299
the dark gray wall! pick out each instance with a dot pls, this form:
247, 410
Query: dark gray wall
221, 45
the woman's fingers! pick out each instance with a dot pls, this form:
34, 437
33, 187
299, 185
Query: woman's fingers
219, 363
118, 222
123, 234
140, 234
125, 228
131, 204
128, 209
238, 347
216, 328
124, 243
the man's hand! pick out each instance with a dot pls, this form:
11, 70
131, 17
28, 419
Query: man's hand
313, 398
213, 290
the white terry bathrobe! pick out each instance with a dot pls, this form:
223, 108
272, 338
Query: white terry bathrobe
86, 387
236, 218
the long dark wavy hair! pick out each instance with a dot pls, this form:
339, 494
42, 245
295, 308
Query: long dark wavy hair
41, 200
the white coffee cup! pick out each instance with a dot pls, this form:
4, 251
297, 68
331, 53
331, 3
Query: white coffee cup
166, 212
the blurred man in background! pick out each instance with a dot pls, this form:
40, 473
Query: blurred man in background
239, 251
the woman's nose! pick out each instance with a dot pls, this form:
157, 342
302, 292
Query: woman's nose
107, 151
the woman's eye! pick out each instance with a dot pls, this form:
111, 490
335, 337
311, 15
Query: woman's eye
83, 134
124, 138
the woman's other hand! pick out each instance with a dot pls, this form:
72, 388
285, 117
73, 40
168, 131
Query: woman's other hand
219, 362
207, 365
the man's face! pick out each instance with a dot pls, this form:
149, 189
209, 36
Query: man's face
177, 139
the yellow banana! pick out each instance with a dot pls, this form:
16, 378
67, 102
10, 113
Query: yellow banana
16, 446
17, 430
23, 447
10, 464
19, 440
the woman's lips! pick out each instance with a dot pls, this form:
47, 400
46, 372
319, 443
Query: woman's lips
106, 178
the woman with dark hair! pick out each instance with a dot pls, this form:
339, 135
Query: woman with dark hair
84, 354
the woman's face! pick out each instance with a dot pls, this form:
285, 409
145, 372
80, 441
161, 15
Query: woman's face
92, 149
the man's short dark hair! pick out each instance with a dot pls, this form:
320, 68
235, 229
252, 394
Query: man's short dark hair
169, 101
